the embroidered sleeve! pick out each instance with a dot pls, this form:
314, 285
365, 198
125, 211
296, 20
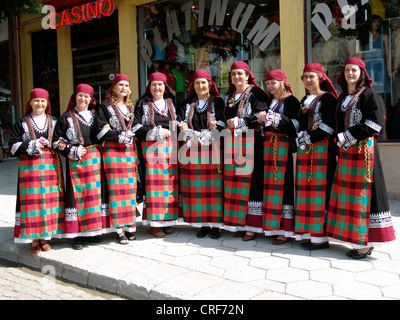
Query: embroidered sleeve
125, 137
373, 125
15, 147
296, 124
240, 126
221, 124
154, 134
102, 133
33, 148
324, 127
346, 139
75, 153
303, 140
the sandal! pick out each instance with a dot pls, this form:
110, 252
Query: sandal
279, 241
122, 239
157, 232
35, 249
239, 234
249, 236
168, 230
130, 236
45, 246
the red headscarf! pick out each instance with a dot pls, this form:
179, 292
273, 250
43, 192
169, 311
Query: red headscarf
357, 61
85, 88
38, 93
318, 68
244, 66
204, 74
118, 78
278, 75
158, 76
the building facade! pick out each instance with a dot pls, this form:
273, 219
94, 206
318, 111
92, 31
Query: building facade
75, 41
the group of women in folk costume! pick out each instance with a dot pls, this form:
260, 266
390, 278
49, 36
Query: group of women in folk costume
248, 184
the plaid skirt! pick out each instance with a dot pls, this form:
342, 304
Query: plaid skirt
201, 187
161, 181
276, 153
311, 181
238, 168
349, 207
40, 201
84, 214
120, 169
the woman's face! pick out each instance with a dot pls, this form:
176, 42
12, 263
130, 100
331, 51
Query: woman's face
157, 89
202, 87
273, 86
122, 89
82, 100
352, 74
376, 24
239, 77
311, 81
39, 106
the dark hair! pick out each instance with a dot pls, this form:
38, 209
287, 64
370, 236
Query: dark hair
362, 82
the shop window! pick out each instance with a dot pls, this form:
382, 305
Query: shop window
181, 36
6, 110
45, 66
369, 29
95, 53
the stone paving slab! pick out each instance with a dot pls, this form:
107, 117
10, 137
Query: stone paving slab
183, 267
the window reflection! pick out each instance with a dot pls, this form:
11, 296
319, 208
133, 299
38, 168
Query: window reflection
367, 29
212, 47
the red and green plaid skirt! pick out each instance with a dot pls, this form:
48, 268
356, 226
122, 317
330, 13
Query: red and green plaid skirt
311, 173
349, 207
41, 197
276, 150
86, 184
161, 181
201, 186
120, 168
238, 168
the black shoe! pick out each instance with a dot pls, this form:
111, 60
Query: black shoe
93, 239
77, 244
203, 232
313, 246
215, 233
354, 254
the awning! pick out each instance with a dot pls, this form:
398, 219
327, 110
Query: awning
61, 5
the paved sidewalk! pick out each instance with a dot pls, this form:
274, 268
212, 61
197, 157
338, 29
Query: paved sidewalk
181, 266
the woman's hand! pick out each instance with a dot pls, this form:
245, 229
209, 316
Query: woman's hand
315, 126
61, 144
213, 124
230, 123
165, 133
183, 126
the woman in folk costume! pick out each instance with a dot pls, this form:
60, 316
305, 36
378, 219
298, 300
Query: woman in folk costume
75, 138
243, 162
201, 167
359, 211
154, 116
316, 159
280, 129
40, 194
114, 124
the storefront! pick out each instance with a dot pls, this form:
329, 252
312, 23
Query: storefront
7, 111
90, 41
